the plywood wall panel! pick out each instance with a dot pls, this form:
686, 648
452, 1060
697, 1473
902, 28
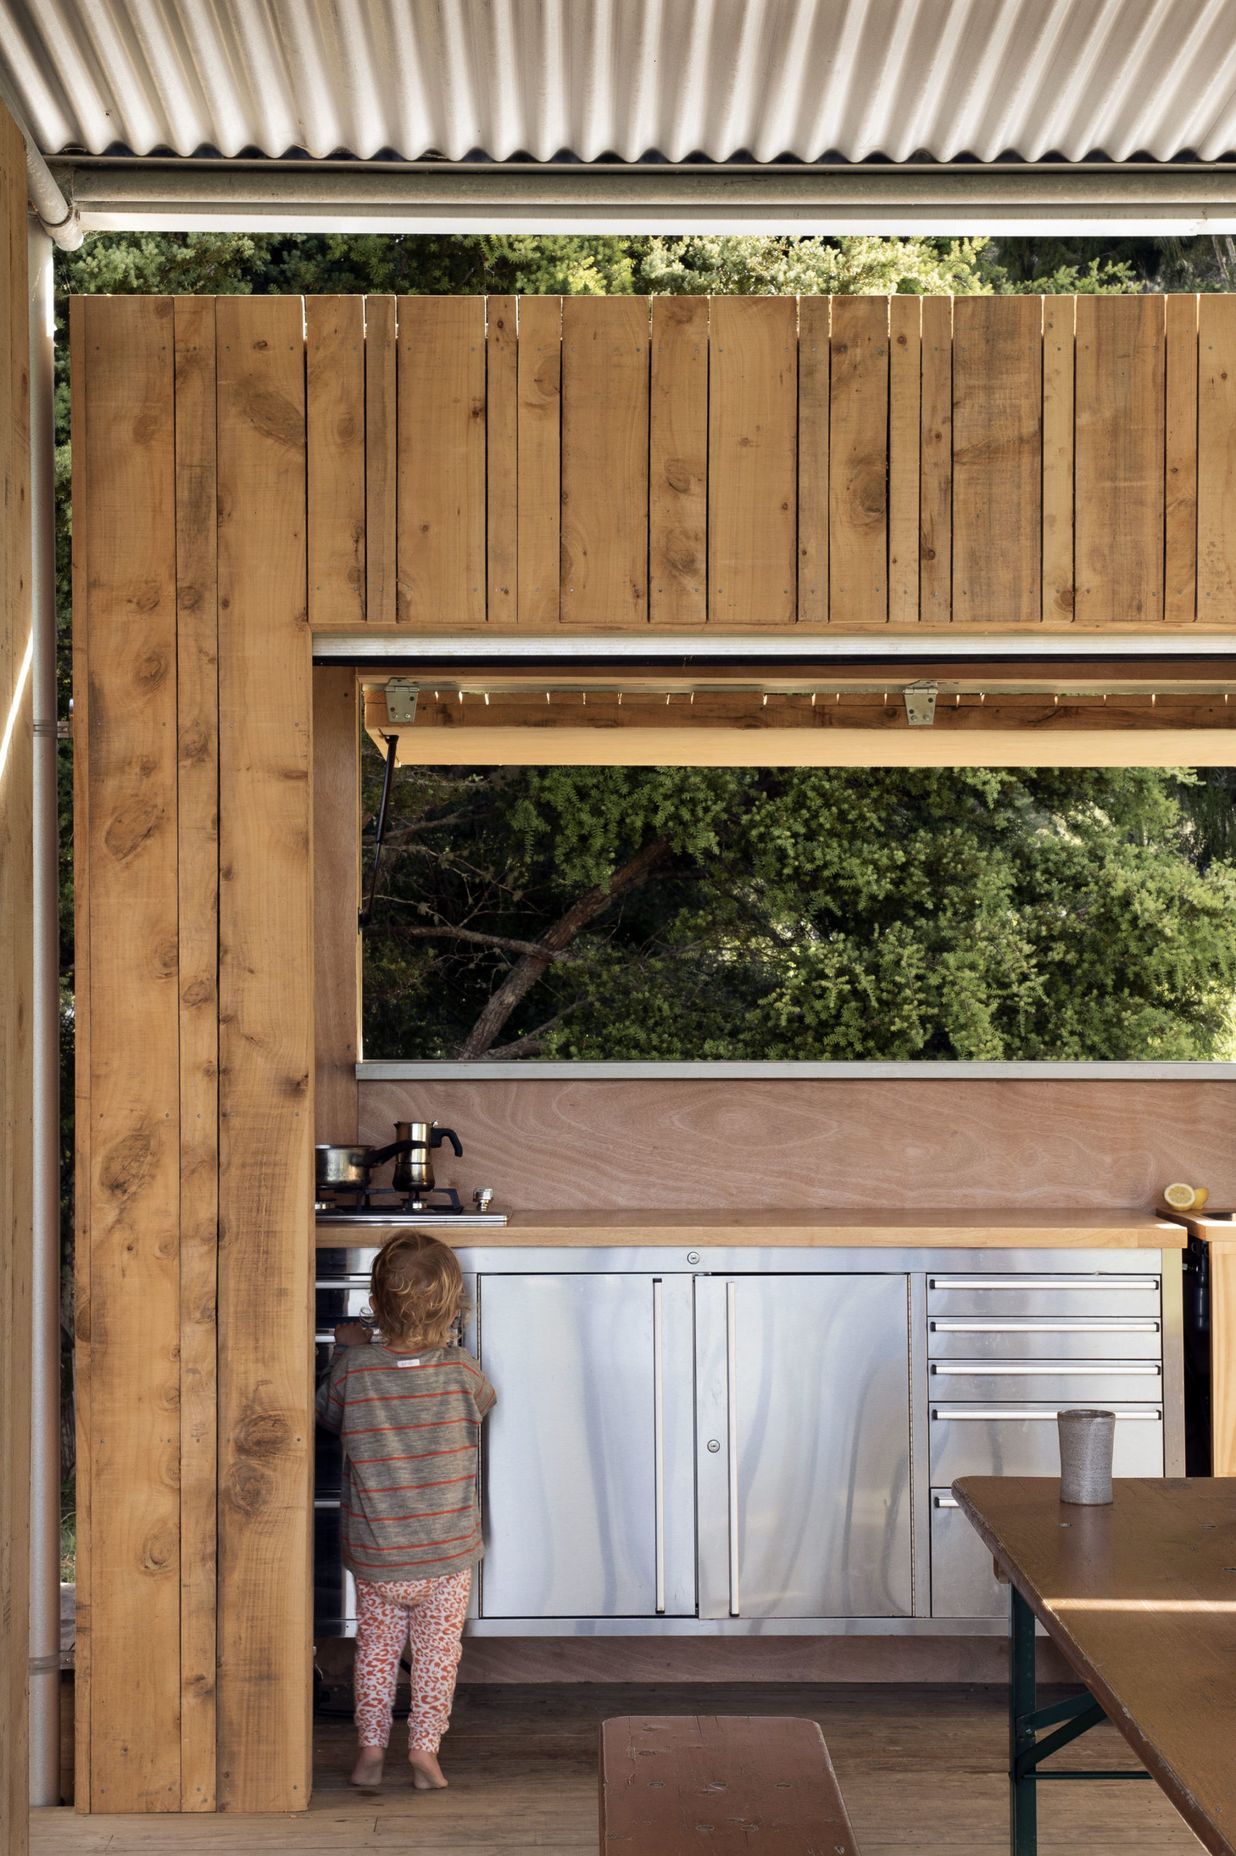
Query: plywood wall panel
1216, 461
16, 939
858, 463
441, 478
604, 463
1120, 472
266, 1060
1180, 537
502, 460
678, 463
559, 1145
1058, 599
752, 462
936, 483
335, 384
381, 460
130, 608
539, 514
197, 828
997, 460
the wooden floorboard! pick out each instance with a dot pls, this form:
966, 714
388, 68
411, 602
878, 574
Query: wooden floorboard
921, 1769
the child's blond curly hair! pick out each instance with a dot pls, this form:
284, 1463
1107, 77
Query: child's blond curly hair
417, 1289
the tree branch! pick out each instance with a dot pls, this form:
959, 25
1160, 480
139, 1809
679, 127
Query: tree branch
527, 971
446, 932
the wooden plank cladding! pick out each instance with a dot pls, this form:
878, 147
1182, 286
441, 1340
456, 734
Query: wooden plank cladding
771, 464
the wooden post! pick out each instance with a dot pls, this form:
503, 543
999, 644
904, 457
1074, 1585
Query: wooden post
16, 996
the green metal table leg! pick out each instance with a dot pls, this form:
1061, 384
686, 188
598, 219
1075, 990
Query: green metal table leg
1023, 1817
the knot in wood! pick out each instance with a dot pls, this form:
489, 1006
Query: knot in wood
265, 1434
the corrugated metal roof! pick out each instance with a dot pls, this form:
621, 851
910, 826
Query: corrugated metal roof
670, 79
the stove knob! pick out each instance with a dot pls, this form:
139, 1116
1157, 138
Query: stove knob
482, 1197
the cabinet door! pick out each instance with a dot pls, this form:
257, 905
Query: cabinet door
588, 1453
803, 1447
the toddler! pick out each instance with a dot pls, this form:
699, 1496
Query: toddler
408, 1407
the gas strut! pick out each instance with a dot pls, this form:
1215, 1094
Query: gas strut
392, 745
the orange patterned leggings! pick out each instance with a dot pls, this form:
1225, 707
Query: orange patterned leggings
429, 1614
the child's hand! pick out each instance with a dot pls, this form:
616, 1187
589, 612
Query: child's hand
352, 1334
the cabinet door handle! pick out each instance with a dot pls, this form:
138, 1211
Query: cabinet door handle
658, 1437
1016, 1369
731, 1421
945, 1501
1033, 1284
1029, 1324
973, 1414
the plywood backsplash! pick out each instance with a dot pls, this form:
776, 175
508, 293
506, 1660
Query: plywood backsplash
555, 1145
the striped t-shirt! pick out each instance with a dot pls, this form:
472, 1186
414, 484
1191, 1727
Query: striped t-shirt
410, 1425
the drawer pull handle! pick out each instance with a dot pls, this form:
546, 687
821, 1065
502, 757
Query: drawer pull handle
945, 1501
975, 1414
1032, 1284
1013, 1369
1029, 1324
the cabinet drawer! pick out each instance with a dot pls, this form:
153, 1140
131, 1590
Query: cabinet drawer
993, 1439
1044, 1337
963, 1579
1069, 1382
1047, 1294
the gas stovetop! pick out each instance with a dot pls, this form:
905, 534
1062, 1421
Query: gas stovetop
341, 1205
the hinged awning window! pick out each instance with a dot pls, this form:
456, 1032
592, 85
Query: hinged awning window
1015, 715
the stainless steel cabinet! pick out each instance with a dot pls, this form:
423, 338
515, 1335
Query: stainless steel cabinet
589, 1487
803, 1446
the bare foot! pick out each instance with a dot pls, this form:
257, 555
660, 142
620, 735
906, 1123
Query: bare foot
427, 1775
367, 1772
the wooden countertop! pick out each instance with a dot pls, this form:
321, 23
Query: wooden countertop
980, 1230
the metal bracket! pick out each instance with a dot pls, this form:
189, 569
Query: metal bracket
920, 700
401, 695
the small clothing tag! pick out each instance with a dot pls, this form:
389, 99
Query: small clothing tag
407, 1362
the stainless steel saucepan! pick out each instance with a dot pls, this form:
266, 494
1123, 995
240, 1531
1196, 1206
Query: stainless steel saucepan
338, 1167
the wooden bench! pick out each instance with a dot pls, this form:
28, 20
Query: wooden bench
729, 1784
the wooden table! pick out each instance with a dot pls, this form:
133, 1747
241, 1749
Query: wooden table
1140, 1597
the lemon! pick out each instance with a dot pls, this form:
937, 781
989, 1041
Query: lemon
1182, 1198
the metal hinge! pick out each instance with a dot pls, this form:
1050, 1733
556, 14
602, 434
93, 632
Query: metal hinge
920, 700
401, 695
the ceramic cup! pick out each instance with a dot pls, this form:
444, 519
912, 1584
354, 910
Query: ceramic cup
1086, 1442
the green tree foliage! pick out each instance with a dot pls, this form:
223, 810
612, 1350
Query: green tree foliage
831, 914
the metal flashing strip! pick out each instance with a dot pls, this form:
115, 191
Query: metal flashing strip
448, 1070
395, 647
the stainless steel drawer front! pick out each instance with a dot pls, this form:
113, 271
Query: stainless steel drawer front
997, 1439
1071, 1382
963, 1579
998, 1297
1015, 1337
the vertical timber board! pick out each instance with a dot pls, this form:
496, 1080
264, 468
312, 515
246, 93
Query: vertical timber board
1216, 461
905, 337
539, 515
1059, 357
752, 462
81, 1063
502, 459
336, 940
16, 938
997, 459
605, 462
1223, 1390
1119, 460
858, 463
381, 460
127, 606
197, 672
335, 420
813, 384
936, 464
1180, 453
678, 463
266, 1061
440, 539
